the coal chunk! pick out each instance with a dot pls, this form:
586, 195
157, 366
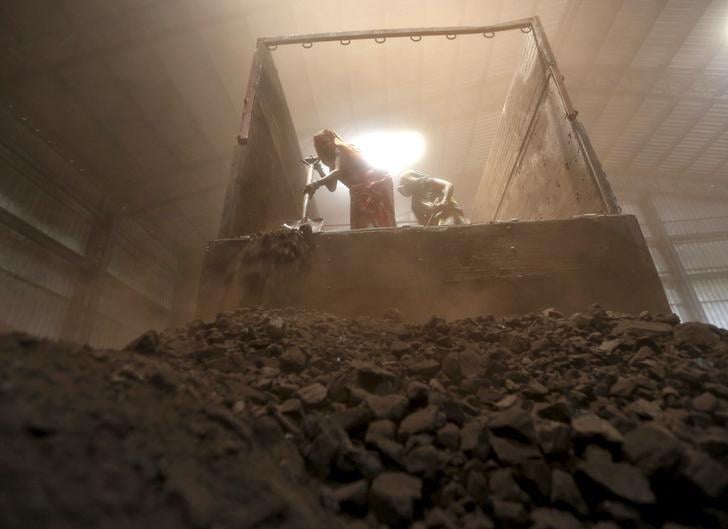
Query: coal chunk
513, 452
708, 475
312, 395
547, 518
652, 448
513, 422
293, 360
388, 407
590, 426
392, 497
566, 493
621, 479
375, 379
424, 420
697, 334
449, 436
147, 343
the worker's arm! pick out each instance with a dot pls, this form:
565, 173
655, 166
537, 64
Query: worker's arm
330, 180
446, 189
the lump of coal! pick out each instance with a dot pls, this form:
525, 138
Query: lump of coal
392, 497
300, 419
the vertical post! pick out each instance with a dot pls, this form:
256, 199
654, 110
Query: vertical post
693, 307
84, 306
185, 291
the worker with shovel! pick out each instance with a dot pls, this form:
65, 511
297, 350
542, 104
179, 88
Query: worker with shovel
371, 190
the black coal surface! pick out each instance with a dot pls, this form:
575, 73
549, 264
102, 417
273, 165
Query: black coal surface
290, 418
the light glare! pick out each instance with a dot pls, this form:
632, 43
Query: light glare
393, 151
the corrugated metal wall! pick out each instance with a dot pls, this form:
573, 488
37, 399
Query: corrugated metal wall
60, 219
36, 285
50, 212
141, 262
688, 238
124, 314
149, 270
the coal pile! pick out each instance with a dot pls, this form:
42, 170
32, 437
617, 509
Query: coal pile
291, 418
279, 246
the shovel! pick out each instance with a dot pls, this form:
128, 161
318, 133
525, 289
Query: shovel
314, 225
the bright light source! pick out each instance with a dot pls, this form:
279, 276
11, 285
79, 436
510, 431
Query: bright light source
394, 151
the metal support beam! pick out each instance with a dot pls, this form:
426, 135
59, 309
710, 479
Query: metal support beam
185, 291
380, 35
84, 306
681, 280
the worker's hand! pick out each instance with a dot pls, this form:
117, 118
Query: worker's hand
311, 188
319, 168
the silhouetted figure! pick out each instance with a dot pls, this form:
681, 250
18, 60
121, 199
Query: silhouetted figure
371, 190
432, 201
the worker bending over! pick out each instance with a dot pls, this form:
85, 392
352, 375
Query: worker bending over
371, 190
432, 201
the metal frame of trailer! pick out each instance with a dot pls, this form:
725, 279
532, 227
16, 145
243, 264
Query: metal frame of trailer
542, 170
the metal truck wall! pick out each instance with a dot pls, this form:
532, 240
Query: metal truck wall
267, 179
541, 166
454, 272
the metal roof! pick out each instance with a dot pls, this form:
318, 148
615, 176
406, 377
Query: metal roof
144, 96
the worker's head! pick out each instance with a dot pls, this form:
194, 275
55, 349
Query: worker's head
407, 181
325, 143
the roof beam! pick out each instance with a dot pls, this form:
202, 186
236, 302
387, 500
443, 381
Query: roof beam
127, 94
163, 189
702, 150
567, 21
656, 83
631, 182
693, 84
36, 57
622, 70
601, 35
103, 129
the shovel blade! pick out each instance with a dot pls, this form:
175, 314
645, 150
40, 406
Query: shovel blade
314, 225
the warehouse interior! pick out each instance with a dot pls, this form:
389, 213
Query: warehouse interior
119, 120
510, 314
